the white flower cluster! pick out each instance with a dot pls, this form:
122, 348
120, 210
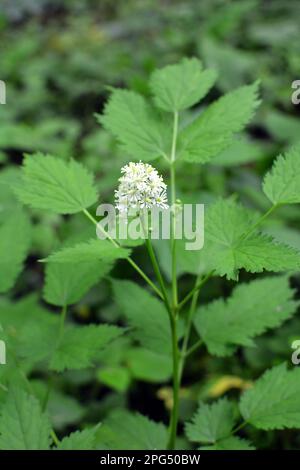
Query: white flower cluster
141, 187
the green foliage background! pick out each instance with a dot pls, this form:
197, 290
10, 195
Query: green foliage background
58, 60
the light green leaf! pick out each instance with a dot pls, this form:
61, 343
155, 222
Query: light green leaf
230, 443
273, 402
90, 251
132, 431
240, 152
211, 423
22, 424
250, 311
180, 86
79, 346
56, 185
140, 131
14, 245
66, 284
282, 184
213, 130
79, 440
146, 314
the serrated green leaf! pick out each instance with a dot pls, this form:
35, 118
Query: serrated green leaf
180, 86
282, 183
146, 314
89, 252
213, 131
14, 245
211, 423
79, 346
228, 247
22, 424
140, 131
56, 185
273, 402
79, 440
231, 443
132, 431
250, 311
66, 284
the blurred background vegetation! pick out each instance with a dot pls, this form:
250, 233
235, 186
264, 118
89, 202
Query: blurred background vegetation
58, 59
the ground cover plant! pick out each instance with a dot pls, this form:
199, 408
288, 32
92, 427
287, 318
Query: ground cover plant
142, 344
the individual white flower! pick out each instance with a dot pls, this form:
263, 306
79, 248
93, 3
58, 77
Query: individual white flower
141, 187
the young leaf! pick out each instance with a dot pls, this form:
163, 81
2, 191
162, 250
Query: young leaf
212, 131
124, 430
180, 86
140, 131
14, 245
66, 284
146, 314
282, 184
56, 185
250, 311
211, 423
273, 402
79, 346
22, 424
89, 251
79, 440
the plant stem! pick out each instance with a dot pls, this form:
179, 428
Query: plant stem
258, 222
130, 261
186, 338
173, 204
176, 385
197, 287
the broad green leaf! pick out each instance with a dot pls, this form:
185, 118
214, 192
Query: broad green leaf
230, 443
56, 185
66, 284
211, 423
146, 314
79, 440
213, 130
141, 133
23, 426
273, 402
14, 246
282, 184
132, 431
90, 251
180, 86
231, 244
79, 346
248, 312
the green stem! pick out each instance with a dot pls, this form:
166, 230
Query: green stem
173, 204
195, 289
176, 385
186, 338
130, 261
193, 348
258, 222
